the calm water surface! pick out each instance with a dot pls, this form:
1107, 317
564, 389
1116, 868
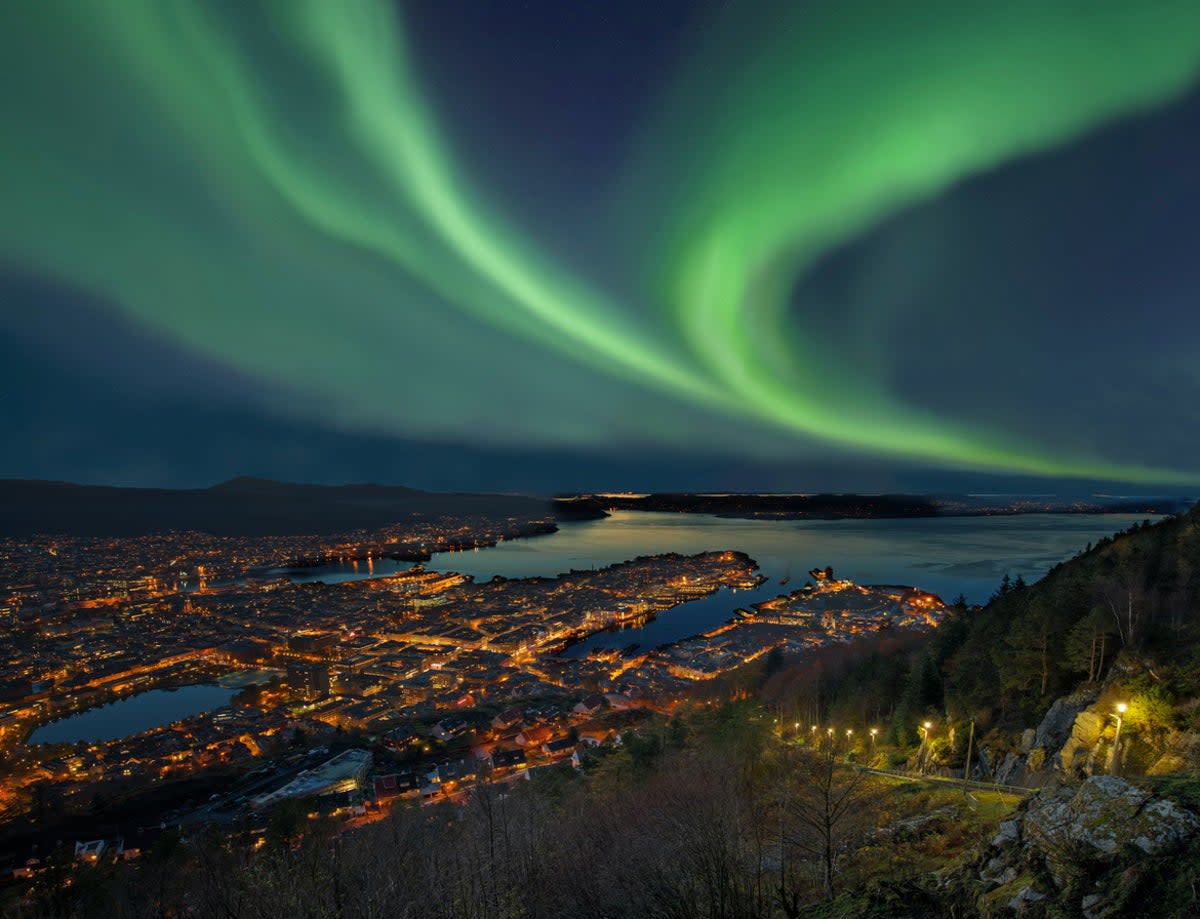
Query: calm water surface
135, 714
946, 555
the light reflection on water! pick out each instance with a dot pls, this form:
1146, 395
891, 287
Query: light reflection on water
134, 714
946, 555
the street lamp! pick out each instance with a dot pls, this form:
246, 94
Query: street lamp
924, 741
874, 731
1113, 761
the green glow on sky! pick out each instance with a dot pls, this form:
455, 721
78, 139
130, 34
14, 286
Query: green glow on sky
275, 190
839, 119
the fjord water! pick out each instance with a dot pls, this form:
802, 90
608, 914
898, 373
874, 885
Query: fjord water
946, 555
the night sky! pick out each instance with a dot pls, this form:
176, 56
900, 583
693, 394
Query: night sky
554, 246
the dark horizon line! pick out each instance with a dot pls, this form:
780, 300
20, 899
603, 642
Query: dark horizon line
249, 481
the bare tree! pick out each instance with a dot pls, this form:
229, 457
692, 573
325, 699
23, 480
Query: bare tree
827, 806
1088, 643
1127, 604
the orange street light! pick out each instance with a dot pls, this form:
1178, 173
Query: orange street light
924, 742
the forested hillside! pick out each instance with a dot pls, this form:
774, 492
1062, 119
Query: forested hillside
1128, 602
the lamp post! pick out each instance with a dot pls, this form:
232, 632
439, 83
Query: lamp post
924, 742
874, 731
1113, 760
970, 750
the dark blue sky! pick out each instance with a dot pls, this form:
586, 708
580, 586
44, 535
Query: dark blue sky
1050, 297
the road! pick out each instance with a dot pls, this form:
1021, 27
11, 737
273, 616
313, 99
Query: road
945, 780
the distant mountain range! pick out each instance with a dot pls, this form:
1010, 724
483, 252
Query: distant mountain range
865, 506
240, 507
248, 506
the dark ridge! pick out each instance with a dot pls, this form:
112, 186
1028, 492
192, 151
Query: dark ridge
856, 506
240, 507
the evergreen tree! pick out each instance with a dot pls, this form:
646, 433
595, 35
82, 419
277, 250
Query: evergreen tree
1029, 658
1003, 590
923, 694
1090, 643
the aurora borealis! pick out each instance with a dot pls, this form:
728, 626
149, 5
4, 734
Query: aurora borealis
932, 236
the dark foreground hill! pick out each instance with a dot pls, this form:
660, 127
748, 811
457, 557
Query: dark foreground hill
239, 507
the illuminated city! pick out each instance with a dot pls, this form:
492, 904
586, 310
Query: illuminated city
425, 663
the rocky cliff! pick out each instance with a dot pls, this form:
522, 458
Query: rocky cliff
1088, 849
1075, 739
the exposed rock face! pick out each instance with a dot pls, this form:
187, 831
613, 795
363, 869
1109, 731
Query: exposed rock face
1059, 722
1067, 740
1106, 812
1010, 769
1078, 755
916, 827
1074, 740
1182, 754
1023, 898
1092, 821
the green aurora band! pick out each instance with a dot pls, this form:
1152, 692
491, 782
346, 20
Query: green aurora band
302, 130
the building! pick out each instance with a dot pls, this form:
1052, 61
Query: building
313, 644
344, 773
308, 680
389, 786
